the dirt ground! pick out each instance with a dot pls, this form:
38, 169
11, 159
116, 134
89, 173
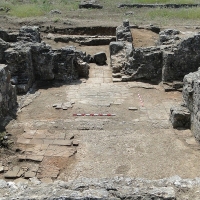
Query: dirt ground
144, 38
135, 143
138, 141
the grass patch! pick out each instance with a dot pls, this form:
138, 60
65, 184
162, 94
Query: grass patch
34, 8
26, 10
190, 13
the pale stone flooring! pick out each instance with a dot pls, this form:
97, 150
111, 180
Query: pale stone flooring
53, 143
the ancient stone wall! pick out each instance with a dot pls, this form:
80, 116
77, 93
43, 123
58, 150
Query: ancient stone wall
8, 96
181, 59
3, 46
174, 56
29, 59
19, 61
191, 97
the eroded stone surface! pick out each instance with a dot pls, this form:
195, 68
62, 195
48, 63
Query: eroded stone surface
191, 91
115, 188
8, 98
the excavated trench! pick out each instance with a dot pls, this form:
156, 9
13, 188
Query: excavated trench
85, 141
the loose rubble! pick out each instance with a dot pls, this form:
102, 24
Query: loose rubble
115, 188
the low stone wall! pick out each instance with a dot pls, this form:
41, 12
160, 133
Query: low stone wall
175, 56
94, 30
3, 46
19, 61
8, 36
82, 39
8, 96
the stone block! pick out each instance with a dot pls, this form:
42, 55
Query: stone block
29, 34
115, 47
13, 173
100, 58
29, 174
8, 97
180, 117
62, 142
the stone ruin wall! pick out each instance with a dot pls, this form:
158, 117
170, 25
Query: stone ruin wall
174, 56
8, 96
25, 59
187, 114
171, 63
191, 98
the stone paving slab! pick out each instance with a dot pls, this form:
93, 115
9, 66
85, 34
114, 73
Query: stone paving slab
13, 173
29, 174
21, 140
50, 167
61, 151
37, 158
62, 142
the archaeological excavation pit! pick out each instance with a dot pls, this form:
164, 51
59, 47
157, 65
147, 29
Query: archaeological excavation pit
77, 119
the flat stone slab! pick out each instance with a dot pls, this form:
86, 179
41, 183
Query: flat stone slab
23, 140
64, 107
133, 108
117, 79
21, 180
29, 174
58, 106
13, 173
46, 180
20, 173
191, 141
69, 136
67, 104
31, 157
59, 151
62, 142
1, 169
75, 143
34, 158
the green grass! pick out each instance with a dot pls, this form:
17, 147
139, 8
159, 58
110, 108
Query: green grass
190, 13
26, 10
34, 8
